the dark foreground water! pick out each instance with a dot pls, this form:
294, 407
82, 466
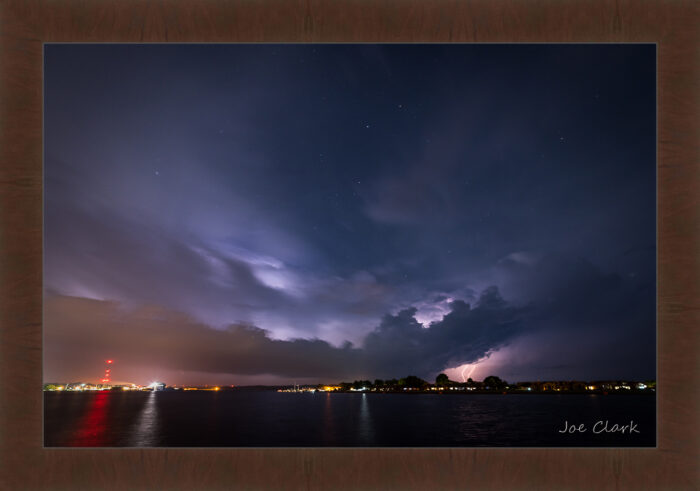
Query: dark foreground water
272, 419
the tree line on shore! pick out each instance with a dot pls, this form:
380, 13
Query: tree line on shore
493, 383
413, 382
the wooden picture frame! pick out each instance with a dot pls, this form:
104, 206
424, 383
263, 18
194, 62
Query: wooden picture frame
26, 25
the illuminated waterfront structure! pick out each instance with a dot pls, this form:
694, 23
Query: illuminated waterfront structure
157, 386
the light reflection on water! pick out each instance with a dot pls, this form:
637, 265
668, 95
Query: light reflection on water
145, 429
328, 426
94, 425
366, 431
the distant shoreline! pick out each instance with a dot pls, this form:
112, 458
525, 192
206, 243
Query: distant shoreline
414, 392
485, 392
529, 388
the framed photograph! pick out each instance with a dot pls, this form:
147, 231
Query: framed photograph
329, 245
289, 248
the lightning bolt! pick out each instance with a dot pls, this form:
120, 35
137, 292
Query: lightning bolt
473, 367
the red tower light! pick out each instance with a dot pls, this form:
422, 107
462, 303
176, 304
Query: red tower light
107, 375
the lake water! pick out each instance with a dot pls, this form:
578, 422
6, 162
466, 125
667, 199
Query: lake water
271, 419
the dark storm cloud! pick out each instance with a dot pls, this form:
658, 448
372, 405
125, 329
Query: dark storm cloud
149, 337
156, 337
582, 316
401, 345
586, 321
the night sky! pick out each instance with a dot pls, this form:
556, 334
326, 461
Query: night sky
315, 213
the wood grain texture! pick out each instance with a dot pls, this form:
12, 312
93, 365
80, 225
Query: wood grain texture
26, 24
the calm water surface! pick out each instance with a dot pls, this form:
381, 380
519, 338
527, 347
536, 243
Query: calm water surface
272, 419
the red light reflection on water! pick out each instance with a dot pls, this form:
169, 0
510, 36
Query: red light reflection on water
328, 428
92, 428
